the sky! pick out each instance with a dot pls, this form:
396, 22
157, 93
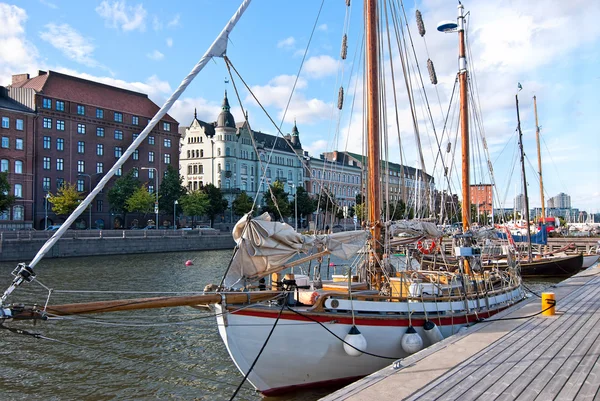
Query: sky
150, 46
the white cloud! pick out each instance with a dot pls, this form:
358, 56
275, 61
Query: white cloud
17, 54
48, 4
70, 43
183, 110
155, 55
286, 43
169, 42
322, 27
315, 148
174, 22
320, 66
119, 15
156, 24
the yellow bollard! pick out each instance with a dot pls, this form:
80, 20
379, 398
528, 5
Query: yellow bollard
547, 301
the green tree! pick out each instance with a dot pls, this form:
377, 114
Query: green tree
306, 205
141, 201
195, 203
66, 200
122, 190
170, 190
281, 198
360, 211
242, 204
216, 203
6, 200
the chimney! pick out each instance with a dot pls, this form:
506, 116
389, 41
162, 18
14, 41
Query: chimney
18, 78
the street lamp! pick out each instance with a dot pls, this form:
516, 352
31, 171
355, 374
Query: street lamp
90, 212
175, 214
156, 192
295, 205
46, 207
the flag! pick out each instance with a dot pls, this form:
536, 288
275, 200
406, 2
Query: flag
519, 86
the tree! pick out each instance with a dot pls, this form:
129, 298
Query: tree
66, 200
360, 211
6, 200
281, 198
242, 204
141, 201
122, 190
216, 203
171, 190
306, 205
195, 203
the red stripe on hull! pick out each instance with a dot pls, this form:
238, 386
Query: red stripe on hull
299, 387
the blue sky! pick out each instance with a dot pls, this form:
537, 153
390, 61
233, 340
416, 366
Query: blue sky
147, 46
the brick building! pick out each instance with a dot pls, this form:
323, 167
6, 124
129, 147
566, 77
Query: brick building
82, 128
482, 198
16, 159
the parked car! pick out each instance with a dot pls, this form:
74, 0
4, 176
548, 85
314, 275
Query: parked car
53, 228
337, 228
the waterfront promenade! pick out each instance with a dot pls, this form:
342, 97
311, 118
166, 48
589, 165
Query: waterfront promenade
513, 356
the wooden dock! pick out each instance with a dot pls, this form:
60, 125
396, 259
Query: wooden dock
525, 358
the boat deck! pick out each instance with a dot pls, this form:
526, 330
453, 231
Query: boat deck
528, 358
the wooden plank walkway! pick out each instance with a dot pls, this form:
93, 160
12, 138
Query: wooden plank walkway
531, 358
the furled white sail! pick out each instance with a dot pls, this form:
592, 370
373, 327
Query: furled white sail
414, 228
264, 246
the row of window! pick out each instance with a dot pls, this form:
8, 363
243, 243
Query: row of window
118, 117
80, 184
18, 123
328, 175
47, 161
6, 143
5, 166
17, 213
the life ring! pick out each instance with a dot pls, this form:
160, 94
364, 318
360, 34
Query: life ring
424, 249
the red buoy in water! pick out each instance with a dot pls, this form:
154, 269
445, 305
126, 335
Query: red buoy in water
331, 264
189, 263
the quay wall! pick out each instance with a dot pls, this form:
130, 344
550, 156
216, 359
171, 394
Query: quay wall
112, 243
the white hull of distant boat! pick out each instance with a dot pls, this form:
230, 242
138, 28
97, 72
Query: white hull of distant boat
302, 354
589, 260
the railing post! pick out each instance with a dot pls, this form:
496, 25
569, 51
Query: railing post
123, 233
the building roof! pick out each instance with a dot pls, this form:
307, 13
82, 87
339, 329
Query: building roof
10, 104
67, 87
392, 166
225, 119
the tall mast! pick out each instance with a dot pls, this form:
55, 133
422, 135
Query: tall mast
524, 181
373, 156
537, 139
464, 119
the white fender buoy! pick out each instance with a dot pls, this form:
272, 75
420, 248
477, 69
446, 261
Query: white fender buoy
411, 341
189, 263
432, 332
355, 339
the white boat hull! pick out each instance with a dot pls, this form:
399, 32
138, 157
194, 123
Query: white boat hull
589, 260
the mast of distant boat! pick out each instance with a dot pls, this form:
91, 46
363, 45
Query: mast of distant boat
539, 154
524, 180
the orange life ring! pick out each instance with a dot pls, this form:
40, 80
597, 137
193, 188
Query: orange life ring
426, 250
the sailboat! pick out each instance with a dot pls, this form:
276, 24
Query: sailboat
305, 332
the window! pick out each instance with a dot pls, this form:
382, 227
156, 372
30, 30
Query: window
47, 142
60, 144
60, 125
46, 183
167, 158
136, 154
5, 142
80, 166
60, 105
99, 113
167, 143
5, 122
80, 185
47, 103
134, 136
81, 110
60, 164
290, 176
151, 188
100, 131
3, 165
81, 128
47, 163
18, 213
227, 152
136, 172
118, 134
118, 151
201, 152
19, 125
81, 147
151, 140
135, 120
218, 151
18, 167
47, 122
99, 205
99, 168
151, 157
151, 174
100, 149
166, 126
118, 117
59, 182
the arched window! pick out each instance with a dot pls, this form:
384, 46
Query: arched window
18, 167
218, 151
189, 169
18, 213
188, 153
227, 151
3, 165
195, 169
18, 191
200, 169
201, 152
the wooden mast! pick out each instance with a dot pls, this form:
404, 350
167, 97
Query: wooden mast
373, 145
524, 181
537, 139
464, 120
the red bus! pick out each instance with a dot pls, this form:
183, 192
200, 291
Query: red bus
551, 224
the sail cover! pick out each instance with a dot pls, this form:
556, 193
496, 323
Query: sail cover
264, 246
415, 228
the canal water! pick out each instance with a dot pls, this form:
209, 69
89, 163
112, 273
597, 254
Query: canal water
162, 354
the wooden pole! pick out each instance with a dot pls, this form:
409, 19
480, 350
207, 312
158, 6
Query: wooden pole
524, 181
373, 150
464, 121
537, 139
